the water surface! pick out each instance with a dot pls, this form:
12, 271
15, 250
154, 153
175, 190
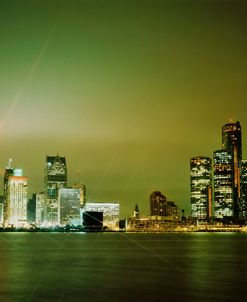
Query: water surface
123, 267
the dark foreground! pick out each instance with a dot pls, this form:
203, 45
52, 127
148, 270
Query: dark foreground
123, 267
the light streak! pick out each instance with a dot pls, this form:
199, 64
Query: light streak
28, 78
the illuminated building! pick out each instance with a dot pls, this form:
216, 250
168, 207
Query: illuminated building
157, 203
40, 208
223, 188
110, 213
16, 202
232, 142
160, 206
71, 201
243, 200
200, 187
55, 179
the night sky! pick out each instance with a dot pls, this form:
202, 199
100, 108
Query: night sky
127, 90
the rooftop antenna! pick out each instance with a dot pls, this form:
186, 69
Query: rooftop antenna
10, 161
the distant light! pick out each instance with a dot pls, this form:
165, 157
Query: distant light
18, 172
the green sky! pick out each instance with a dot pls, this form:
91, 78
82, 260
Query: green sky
128, 91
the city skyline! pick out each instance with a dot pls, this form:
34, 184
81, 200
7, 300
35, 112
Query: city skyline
127, 95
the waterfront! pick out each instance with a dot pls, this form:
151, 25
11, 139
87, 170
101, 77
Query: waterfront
123, 267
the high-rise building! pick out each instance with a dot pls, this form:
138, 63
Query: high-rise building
157, 203
31, 209
71, 201
200, 187
40, 208
16, 202
232, 142
223, 188
8, 172
55, 179
160, 206
243, 200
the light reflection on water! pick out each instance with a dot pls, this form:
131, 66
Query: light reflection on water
123, 267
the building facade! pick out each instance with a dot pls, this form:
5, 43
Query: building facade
232, 142
223, 185
201, 187
243, 199
16, 199
110, 213
55, 179
40, 208
71, 201
157, 203
160, 206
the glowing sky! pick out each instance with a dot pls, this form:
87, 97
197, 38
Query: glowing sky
127, 90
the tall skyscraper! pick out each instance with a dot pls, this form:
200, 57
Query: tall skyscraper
55, 179
16, 199
200, 187
8, 172
232, 142
243, 199
223, 188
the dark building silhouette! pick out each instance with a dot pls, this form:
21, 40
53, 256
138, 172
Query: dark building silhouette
92, 220
157, 203
8, 172
31, 209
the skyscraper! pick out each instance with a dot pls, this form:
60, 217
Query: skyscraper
70, 205
223, 188
55, 179
232, 142
200, 187
40, 208
16, 202
243, 199
8, 172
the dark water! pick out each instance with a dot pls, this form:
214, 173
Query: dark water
123, 267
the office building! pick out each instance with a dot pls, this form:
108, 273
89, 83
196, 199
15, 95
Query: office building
223, 185
40, 208
55, 179
71, 201
243, 199
201, 187
16, 199
160, 206
31, 210
157, 203
232, 142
